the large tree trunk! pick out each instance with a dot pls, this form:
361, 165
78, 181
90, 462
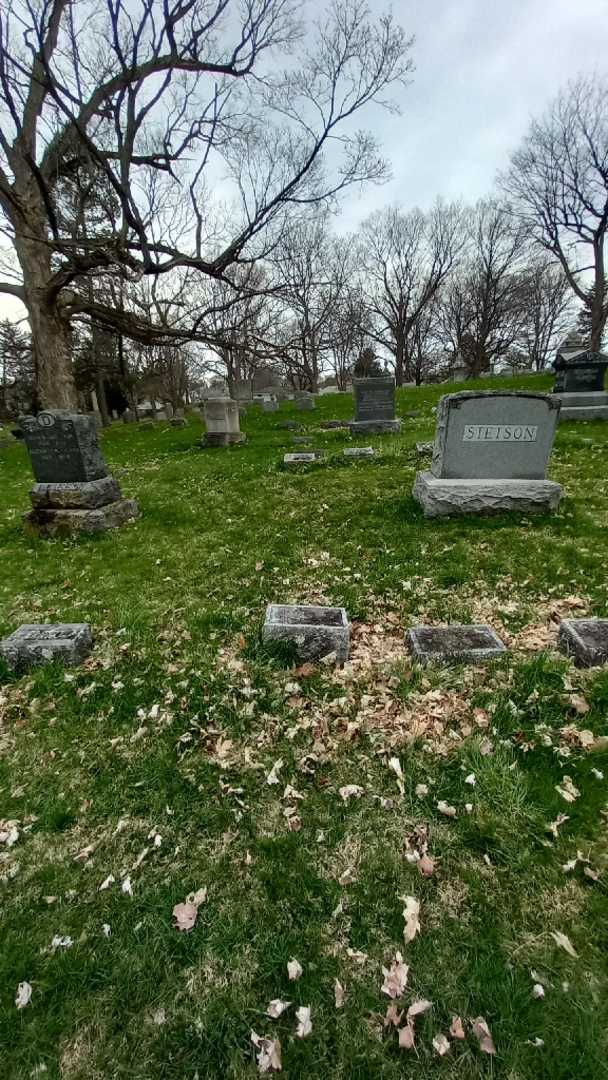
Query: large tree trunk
55, 387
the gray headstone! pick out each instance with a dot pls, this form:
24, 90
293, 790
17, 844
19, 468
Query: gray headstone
586, 640
63, 447
454, 644
580, 371
305, 403
38, 643
359, 451
494, 435
303, 459
315, 631
374, 398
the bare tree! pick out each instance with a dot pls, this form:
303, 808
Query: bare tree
481, 307
407, 258
558, 186
158, 104
547, 310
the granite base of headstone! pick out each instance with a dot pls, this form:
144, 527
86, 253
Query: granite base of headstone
304, 458
374, 407
74, 492
300, 440
454, 644
329, 425
583, 406
221, 416
316, 632
359, 452
490, 455
585, 640
39, 643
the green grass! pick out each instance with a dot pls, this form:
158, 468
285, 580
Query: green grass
173, 725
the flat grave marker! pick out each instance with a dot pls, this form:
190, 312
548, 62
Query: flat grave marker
316, 631
586, 640
454, 644
38, 643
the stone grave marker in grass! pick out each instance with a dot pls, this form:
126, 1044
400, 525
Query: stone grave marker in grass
359, 451
424, 448
74, 491
585, 640
490, 455
374, 406
221, 416
38, 643
315, 631
303, 458
305, 401
270, 406
454, 644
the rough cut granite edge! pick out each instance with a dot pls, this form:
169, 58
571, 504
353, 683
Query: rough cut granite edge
47, 523
21, 656
449, 401
583, 412
572, 644
445, 498
373, 427
424, 657
88, 494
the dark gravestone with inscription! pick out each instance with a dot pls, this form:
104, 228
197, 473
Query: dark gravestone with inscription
454, 644
579, 385
491, 454
374, 406
74, 492
63, 448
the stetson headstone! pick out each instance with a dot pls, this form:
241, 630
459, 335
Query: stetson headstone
490, 455
374, 406
74, 491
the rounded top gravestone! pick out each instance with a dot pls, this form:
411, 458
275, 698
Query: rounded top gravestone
494, 435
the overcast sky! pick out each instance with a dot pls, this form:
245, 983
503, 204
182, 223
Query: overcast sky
482, 69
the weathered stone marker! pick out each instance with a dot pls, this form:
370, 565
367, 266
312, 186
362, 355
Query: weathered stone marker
270, 406
315, 631
454, 644
359, 451
491, 454
424, 448
374, 406
38, 643
222, 420
303, 458
586, 640
305, 401
74, 492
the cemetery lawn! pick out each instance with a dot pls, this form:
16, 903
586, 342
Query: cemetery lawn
148, 774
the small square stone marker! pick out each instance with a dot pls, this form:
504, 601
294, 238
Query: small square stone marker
37, 643
586, 640
468, 643
315, 631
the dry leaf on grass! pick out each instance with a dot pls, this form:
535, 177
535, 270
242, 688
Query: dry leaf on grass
273, 775
304, 1027
406, 1037
24, 995
482, 1032
395, 977
421, 790
268, 1053
456, 1028
185, 914
411, 912
445, 808
567, 790
395, 765
426, 866
339, 994
294, 970
393, 1016
351, 791
441, 1045
348, 877
579, 704
564, 942
276, 1008
553, 826
417, 1008
538, 991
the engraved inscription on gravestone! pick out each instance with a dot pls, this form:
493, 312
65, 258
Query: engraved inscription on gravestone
63, 447
374, 399
491, 435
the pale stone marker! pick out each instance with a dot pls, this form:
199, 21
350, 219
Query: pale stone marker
586, 640
315, 631
304, 458
37, 643
305, 400
74, 491
359, 451
374, 406
222, 421
270, 406
454, 644
491, 454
